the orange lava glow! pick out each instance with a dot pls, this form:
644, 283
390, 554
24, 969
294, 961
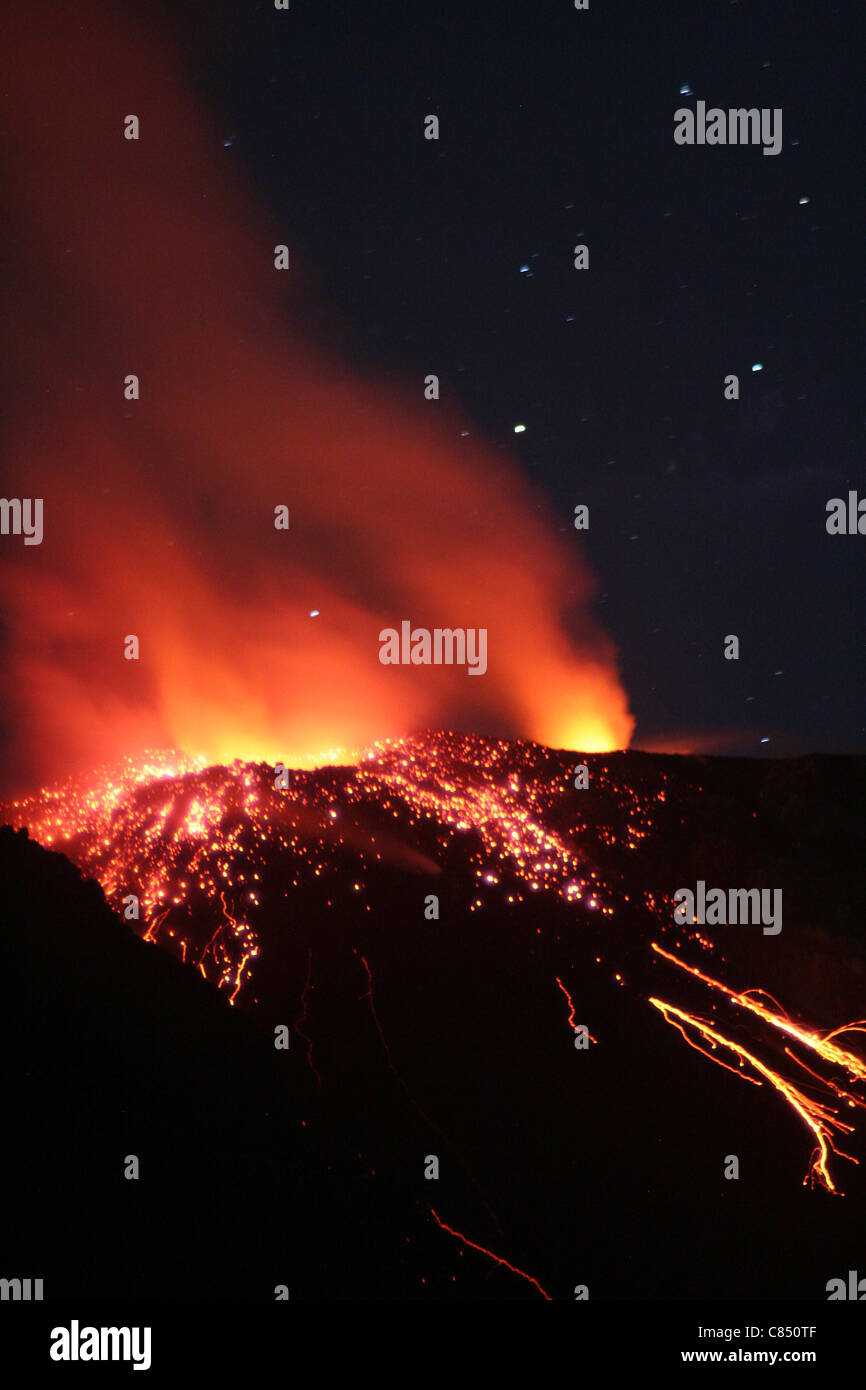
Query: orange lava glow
193, 843
255, 643
777, 1018
819, 1117
571, 1022
200, 842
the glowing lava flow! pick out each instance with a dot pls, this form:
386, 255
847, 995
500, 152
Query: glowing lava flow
196, 845
855, 1066
820, 1117
490, 1255
457, 781
192, 841
169, 832
571, 1021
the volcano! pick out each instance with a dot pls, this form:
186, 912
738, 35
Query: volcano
427, 1026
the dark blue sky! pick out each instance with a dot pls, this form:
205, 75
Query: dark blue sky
706, 516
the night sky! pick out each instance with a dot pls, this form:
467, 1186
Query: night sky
707, 517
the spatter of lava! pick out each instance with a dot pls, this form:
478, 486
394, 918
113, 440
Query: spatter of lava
189, 841
177, 835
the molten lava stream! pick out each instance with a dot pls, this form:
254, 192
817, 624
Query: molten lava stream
820, 1116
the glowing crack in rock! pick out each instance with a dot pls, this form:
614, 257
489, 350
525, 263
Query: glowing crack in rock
571, 1022
497, 1259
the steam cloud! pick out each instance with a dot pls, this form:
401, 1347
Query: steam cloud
149, 257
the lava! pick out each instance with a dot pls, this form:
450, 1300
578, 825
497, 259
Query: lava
823, 1045
571, 1022
179, 835
497, 1259
821, 1120
195, 845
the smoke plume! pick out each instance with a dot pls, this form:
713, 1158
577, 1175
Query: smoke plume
149, 257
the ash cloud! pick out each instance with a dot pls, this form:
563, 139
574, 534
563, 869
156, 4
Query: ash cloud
150, 257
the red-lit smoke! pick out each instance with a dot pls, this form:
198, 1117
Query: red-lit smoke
149, 257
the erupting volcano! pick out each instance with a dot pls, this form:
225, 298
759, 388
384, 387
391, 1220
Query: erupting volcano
379, 1012
311, 906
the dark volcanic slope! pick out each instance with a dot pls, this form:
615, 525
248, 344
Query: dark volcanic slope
413, 1037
